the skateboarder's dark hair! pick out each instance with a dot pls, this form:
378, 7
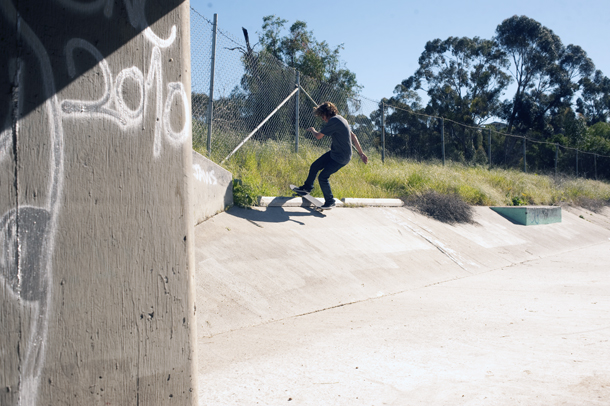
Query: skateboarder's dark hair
326, 109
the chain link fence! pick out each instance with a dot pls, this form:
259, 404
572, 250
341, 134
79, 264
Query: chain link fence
258, 99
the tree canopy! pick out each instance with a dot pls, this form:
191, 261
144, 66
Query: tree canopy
557, 91
300, 50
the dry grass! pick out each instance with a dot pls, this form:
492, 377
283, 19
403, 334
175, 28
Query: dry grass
268, 169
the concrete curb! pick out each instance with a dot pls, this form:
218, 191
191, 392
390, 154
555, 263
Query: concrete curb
282, 201
372, 202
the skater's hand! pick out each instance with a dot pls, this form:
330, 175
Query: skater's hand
315, 133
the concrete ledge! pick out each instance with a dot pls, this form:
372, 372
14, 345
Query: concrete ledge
282, 201
212, 188
530, 215
373, 202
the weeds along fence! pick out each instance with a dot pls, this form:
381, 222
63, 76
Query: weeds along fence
258, 99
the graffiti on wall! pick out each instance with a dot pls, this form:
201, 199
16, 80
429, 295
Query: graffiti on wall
209, 178
28, 232
112, 104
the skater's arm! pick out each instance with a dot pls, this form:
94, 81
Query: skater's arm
315, 133
356, 143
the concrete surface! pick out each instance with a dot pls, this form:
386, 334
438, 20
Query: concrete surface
259, 265
534, 333
373, 306
96, 243
601, 219
359, 202
212, 188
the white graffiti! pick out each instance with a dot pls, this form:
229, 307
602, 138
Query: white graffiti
6, 135
112, 103
202, 176
6, 143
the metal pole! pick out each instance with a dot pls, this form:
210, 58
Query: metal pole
212, 70
556, 157
383, 132
443, 138
296, 113
576, 163
524, 156
595, 164
259, 126
489, 148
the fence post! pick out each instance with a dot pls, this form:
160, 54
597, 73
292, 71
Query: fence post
443, 138
211, 97
524, 156
383, 132
296, 113
556, 157
489, 149
576, 163
595, 164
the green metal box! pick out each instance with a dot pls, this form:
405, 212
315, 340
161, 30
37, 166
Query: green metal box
530, 215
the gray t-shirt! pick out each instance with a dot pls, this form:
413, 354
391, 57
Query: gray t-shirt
341, 147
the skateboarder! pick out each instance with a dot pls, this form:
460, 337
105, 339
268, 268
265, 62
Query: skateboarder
339, 155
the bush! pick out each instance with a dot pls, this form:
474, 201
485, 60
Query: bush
243, 195
447, 208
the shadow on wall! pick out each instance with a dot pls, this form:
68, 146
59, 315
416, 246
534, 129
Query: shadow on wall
54, 23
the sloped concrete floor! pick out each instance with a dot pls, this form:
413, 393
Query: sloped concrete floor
532, 333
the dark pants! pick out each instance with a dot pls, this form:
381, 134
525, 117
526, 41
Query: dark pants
328, 166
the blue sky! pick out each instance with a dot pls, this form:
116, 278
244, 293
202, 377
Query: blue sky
383, 39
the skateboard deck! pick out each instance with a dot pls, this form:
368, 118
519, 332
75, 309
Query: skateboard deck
314, 202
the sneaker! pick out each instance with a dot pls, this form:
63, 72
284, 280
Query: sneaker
300, 191
328, 205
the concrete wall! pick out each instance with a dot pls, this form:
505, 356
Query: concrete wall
96, 235
212, 188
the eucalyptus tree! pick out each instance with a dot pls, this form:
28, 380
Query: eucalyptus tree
464, 79
594, 101
548, 76
534, 51
300, 50
547, 73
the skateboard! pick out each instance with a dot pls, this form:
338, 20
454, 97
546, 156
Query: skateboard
314, 202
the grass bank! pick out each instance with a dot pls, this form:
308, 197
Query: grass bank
267, 170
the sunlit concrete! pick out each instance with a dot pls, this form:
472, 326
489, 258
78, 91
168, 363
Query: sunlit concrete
535, 333
383, 306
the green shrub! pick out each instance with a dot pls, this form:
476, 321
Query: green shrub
243, 195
